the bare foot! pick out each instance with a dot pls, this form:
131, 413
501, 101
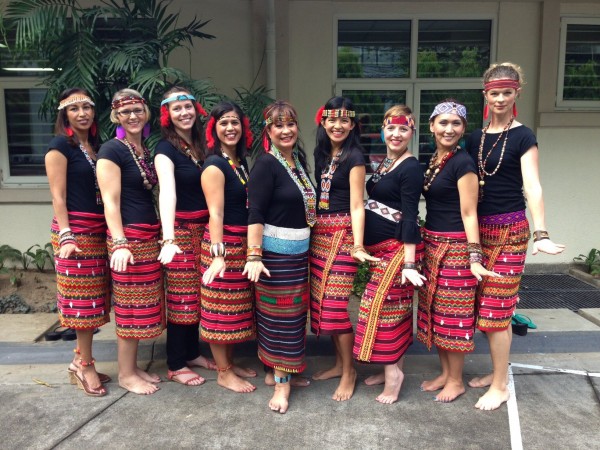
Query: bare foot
149, 377
333, 372
345, 389
244, 372
376, 379
481, 382
230, 380
297, 380
393, 383
434, 385
202, 361
279, 401
137, 385
451, 391
492, 399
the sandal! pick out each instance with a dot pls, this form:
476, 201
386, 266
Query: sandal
83, 384
101, 376
523, 319
171, 374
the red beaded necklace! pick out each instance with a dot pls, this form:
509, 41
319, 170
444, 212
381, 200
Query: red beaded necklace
435, 167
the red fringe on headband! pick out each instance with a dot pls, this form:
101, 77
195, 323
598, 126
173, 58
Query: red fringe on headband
248, 133
319, 115
165, 117
210, 142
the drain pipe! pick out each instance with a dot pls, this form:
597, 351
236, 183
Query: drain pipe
271, 51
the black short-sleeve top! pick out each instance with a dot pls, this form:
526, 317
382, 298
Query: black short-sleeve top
339, 194
399, 189
136, 201
503, 191
442, 200
235, 210
274, 198
81, 179
187, 178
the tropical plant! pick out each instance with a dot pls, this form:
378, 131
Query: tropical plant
591, 261
362, 277
8, 253
252, 102
39, 256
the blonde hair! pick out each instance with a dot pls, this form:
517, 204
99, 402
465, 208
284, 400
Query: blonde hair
125, 93
398, 110
504, 70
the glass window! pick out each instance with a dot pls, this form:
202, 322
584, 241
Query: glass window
582, 62
373, 49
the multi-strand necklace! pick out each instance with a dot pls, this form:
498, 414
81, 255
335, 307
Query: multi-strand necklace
326, 176
188, 152
144, 164
241, 173
93, 164
385, 165
482, 162
436, 167
302, 181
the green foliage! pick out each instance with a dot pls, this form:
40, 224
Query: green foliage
348, 63
582, 81
469, 65
252, 103
428, 65
8, 253
39, 256
591, 261
15, 279
363, 275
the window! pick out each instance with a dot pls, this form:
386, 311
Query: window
579, 67
418, 62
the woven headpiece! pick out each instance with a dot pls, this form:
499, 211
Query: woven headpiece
449, 108
75, 98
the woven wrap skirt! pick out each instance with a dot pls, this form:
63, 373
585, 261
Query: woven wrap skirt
83, 294
446, 312
332, 272
227, 304
138, 293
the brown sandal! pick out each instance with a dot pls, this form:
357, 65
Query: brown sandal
171, 374
104, 378
83, 384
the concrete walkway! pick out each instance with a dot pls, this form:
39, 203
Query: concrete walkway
555, 377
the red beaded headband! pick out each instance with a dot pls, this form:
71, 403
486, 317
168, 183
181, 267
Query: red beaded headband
502, 83
399, 120
208, 133
127, 100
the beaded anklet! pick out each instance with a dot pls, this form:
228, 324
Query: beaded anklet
285, 379
224, 369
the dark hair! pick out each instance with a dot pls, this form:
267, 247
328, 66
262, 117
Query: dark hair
283, 108
217, 112
451, 100
322, 151
171, 135
62, 122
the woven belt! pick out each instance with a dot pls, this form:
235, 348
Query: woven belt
383, 210
290, 234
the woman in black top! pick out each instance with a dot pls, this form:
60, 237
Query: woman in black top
282, 209
126, 177
178, 158
79, 232
446, 315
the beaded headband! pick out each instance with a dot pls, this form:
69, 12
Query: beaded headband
229, 116
127, 100
280, 118
337, 113
449, 108
399, 120
502, 83
75, 98
180, 97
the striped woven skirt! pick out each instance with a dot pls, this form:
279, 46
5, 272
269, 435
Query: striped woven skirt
138, 293
282, 301
446, 312
384, 328
504, 238
182, 274
332, 272
82, 280
227, 304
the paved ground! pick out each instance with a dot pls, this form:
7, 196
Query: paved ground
555, 377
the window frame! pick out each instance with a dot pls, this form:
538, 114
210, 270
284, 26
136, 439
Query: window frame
562, 104
7, 180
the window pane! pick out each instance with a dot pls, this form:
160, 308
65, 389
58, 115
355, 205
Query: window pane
370, 106
453, 48
582, 63
14, 64
373, 49
27, 134
471, 98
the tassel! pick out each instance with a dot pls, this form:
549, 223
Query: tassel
146, 131
515, 109
266, 143
248, 132
69, 131
208, 133
486, 111
319, 115
200, 110
382, 137
93, 129
165, 117
120, 132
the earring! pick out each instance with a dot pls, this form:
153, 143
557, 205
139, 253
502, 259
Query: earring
93, 129
515, 109
382, 137
120, 132
486, 111
146, 131
69, 131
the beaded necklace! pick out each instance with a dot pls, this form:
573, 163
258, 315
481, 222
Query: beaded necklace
482, 162
384, 166
241, 173
144, 164
93, 164
326, 176
435, 167
302, 181
188, 152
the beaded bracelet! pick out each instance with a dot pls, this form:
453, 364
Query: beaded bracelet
120, 246
356, 249
218, 249
70, 239
167, 242
63, 231
474, 247
540, 235
412, 266
475, 258
120, 240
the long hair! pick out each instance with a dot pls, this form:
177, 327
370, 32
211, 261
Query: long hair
168, 132
273, 112
322, 150
62, 122
210, 135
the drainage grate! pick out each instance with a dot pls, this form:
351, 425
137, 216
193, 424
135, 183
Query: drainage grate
557, 291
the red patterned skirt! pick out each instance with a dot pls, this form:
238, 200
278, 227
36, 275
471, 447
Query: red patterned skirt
138, 293
227, 304
384, 328
446, 313
332, 272
182, 274
83, 295
504, 238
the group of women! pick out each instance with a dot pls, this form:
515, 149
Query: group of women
247, 255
